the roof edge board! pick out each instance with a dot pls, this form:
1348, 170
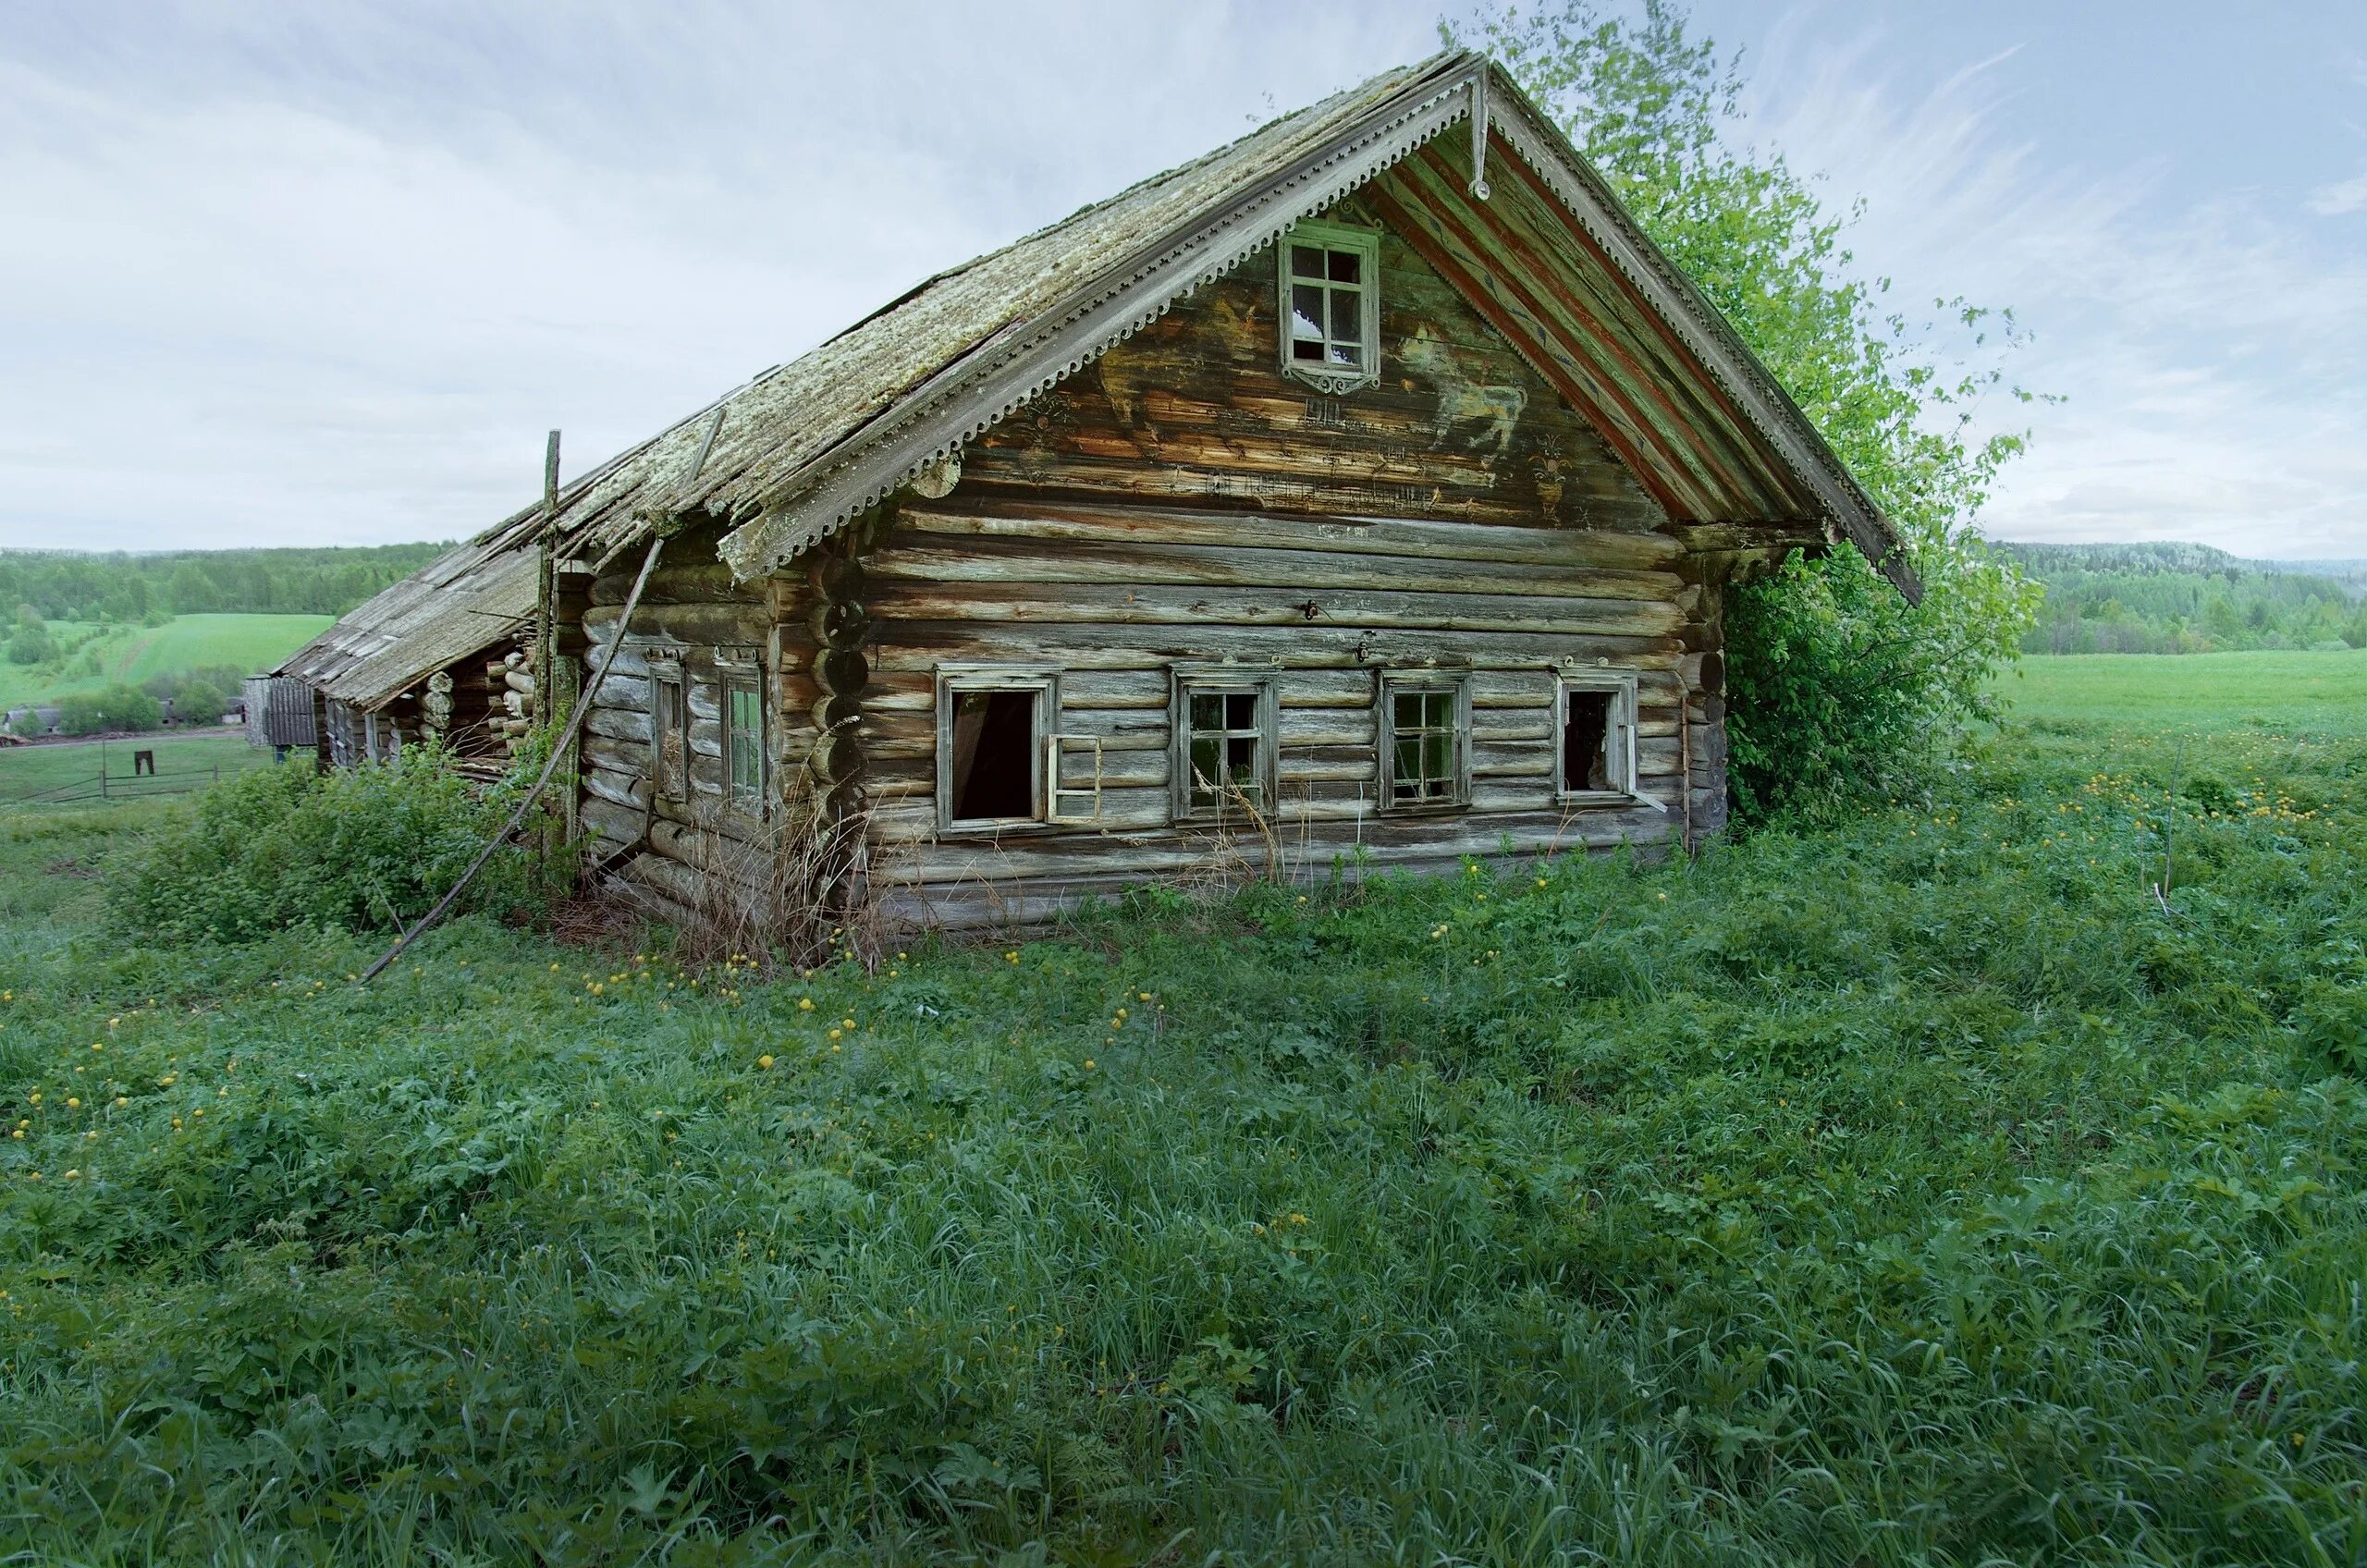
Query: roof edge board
1709, 336
1161, 273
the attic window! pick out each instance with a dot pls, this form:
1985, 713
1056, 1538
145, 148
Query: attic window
1330, 305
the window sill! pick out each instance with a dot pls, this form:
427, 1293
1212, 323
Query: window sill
1604, 800
1423, 808
998, 827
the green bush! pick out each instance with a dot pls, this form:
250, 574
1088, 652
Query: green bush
369, 848
1839, 689
199, 701
116, 708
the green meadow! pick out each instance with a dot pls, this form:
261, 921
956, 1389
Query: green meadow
1954, 1186
2321, 692
53, 767
132, 655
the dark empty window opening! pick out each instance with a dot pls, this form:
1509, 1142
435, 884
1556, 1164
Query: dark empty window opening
1586, 739
994, 756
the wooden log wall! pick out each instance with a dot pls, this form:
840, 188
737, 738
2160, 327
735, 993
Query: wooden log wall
689, 609
1182, 501
1185, 502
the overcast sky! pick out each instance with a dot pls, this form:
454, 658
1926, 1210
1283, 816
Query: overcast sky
324, 273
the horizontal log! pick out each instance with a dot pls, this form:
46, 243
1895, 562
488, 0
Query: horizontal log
994, 561
702, 627
1091, 605
1020, 861
919, 645
617, 787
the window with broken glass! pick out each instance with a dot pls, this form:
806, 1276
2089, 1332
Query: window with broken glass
669, 730
743, 743
1426, 741
1330, 305
1224, 746
1595, 725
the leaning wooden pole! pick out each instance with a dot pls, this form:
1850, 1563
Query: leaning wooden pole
550, 768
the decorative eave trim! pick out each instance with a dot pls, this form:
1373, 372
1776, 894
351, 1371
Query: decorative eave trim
1710, 336
969, 398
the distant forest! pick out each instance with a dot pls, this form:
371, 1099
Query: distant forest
61, 585
2189, 599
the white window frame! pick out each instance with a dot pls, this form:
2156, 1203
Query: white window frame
1058, 807
1043, 738
1365, 244
1220, 681
1621, 684
1396, 683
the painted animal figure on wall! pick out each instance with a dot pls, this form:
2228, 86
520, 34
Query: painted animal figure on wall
1463, 400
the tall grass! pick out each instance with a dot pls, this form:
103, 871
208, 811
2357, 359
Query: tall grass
1922, 1191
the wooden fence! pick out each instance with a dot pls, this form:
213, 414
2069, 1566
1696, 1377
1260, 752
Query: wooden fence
107, 785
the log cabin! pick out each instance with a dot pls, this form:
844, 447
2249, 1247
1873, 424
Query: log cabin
1364, 491
446, 652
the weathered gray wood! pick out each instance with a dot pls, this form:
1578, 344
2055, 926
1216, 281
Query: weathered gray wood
1414, 538
1085, 603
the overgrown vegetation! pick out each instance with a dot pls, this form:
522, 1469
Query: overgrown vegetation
1840, 690
366, 849
1918, 1190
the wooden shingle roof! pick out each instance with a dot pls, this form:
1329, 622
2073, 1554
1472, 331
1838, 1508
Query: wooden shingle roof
1547, 252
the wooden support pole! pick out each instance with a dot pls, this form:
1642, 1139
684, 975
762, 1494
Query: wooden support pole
550, 768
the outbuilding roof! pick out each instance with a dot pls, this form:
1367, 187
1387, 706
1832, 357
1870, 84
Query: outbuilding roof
464, 601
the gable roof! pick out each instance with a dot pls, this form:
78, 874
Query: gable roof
792, 455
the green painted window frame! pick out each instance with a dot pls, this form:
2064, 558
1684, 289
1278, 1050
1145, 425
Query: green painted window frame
1331, 238
744, 742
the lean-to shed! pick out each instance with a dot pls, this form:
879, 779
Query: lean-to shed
1367, 487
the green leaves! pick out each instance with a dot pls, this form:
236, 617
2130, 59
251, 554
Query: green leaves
1838, 690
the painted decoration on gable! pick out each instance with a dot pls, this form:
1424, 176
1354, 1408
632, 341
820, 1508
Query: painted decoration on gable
1464, 401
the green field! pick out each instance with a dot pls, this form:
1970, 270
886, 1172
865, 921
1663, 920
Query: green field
134, 654
56, 768
1931, 1190
2326, 694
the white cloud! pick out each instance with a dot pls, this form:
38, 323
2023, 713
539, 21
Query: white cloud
2207, 348
328, 273
2341, 198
